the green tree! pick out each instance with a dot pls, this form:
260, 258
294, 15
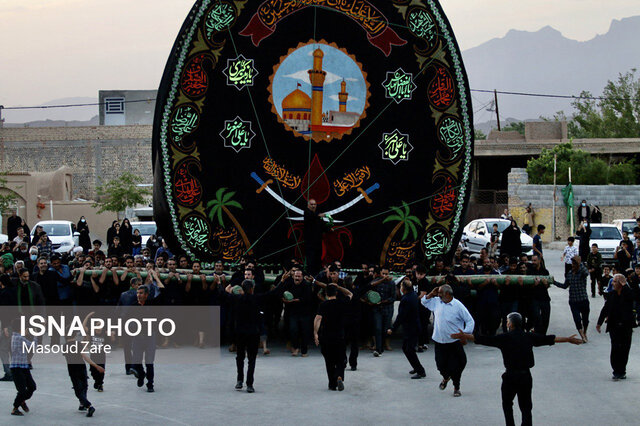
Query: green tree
585, 168
516, 126
403, 218
7, 197
120, 193
616, 115
479, 135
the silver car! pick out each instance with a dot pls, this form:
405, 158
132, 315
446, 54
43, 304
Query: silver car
477, 235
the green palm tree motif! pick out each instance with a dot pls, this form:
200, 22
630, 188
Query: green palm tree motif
221, 204
403, 217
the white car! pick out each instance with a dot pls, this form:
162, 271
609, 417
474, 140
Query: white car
4, 238
607, 237
62, 234
626, 225
477, 235
146, 229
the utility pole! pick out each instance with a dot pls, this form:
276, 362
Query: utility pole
495, 94
1, 119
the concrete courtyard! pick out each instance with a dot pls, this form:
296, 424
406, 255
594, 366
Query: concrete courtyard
572, 386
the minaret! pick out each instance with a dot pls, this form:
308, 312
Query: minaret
317, 76
343, 96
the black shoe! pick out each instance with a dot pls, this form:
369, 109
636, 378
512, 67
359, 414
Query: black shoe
82, 408
615, 377
133, 372
90, 411
420, 350
418, 376
100, 389
412, 372
332, 388
129, 372
239, 386
150, 389
16, 412
95, 386
340, 385
456, 392
354, 368
443, 384
140, 381
250, 389
6, 378
25, 407
623, 377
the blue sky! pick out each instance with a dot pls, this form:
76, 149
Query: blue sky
338, 67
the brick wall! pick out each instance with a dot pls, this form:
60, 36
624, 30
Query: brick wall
95, 154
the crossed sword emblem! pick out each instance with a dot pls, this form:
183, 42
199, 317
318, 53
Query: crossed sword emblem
264, 186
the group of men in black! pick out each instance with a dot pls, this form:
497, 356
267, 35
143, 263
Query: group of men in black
331, 309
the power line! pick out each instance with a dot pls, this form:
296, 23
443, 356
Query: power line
545, 95
75, 105
500, 92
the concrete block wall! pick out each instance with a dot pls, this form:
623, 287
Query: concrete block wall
615, 202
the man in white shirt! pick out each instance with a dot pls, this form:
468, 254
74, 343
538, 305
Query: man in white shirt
450, 316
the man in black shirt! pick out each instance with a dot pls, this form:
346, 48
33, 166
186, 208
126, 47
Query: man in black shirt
424, 288
299, 312
618, 311
408, 317
328, 333
541, 303
517, 353
248, 320
314, 227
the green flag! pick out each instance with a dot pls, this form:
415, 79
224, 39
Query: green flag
567, 195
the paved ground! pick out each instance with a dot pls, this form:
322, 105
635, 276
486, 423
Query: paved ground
572, 385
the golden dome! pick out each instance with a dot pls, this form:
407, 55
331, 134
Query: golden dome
297, 100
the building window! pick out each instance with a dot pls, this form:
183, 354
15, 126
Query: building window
114, 105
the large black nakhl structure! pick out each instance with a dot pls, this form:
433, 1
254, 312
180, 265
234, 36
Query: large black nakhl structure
361, 105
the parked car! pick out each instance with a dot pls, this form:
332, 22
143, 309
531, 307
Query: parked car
147, 229
607, 237
62, 233
4, 238
626, 225
477, 235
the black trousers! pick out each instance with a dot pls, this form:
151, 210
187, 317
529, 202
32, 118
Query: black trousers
409, 349
25, 385
246, 344
451, 361
98, 377
541, 315
300, 330
620, 346
352, 338
425, 316
595, 279
580, 311
128, 353
488, 318
79, 381
334, 353
517, 383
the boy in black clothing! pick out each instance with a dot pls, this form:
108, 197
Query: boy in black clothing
78, 372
